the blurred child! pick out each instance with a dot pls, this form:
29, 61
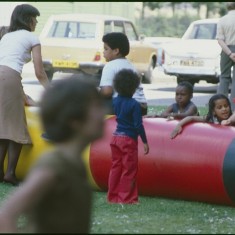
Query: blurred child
122, 185
219, 110
56, 196
184, 106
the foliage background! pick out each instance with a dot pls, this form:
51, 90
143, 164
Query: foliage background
153, 21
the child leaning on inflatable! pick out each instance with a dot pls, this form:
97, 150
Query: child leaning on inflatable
230, 121
183, 106
219, 111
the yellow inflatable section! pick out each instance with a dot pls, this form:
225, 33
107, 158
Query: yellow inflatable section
30, 153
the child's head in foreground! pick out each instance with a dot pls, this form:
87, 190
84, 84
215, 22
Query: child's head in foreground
219, 107
116, 45
183, 93
125, 82
72, 108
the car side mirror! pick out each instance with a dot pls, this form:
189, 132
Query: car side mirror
141, 37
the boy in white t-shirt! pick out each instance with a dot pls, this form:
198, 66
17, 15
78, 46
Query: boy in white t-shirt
116, 48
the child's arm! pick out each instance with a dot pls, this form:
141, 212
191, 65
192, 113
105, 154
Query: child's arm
229, 121
29, 101
192, 111
179, 126
106, 91
138, 123
146, 148
167, 112
23, 199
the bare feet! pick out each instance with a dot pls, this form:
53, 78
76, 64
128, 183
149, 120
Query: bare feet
11, 180
1, 176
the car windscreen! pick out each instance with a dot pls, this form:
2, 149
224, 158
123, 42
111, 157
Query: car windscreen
201, 31
72, 29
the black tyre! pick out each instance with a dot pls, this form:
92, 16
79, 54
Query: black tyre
50, 74
180, 79
147, 78
93, 78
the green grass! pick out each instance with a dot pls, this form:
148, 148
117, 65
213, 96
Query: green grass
155, 215
158, 109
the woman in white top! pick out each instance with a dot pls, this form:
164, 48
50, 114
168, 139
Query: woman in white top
16, 48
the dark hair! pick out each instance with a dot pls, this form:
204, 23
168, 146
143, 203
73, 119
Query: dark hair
125, 82
211, 104
230, 5
22, 17
66, 100
187, 85
3, 31
116, 40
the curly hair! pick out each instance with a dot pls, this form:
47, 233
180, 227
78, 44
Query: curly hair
187, 85
211, 104
125, 82
21, 17
116, 40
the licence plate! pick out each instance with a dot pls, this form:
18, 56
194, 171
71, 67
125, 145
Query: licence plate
196, 63
65, 63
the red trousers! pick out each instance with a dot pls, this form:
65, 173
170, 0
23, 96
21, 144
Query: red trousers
122, 185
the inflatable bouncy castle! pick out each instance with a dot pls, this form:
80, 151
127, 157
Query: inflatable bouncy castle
198, 165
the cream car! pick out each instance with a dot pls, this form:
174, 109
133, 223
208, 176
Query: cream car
196, 56
73, 43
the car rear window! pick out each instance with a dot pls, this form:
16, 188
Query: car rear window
201, 31
72, 29
121, 26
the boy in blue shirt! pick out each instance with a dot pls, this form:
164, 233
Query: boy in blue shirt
122, 185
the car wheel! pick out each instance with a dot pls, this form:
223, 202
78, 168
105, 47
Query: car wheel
49, 74
147, 78
92, 78
180, 79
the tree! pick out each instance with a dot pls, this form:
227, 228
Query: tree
173, 6
158, 5
197, 5
150, 5
211, 8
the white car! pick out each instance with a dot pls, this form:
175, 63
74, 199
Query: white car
157, 42
196, 56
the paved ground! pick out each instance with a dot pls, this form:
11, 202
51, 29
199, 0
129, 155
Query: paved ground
160, 92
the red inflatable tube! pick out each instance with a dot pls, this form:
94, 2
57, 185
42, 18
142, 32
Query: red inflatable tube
198, 165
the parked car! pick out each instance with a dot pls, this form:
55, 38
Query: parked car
73, 43
196, 56
158, 42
